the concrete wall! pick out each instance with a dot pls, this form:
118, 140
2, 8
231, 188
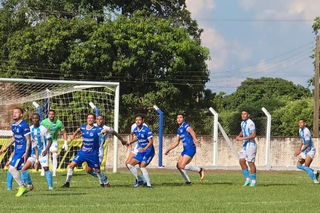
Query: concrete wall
281, 152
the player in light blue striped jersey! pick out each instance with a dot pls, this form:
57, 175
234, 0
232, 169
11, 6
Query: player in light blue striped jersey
306, 151
249, 148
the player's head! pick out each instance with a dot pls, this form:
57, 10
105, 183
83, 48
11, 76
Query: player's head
139, 119
51, 114
245, 115
180, 118
36, 119
91, 118
17, 113
302, 123
100, 120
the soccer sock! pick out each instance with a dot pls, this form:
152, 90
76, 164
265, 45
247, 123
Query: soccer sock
308, 170
104, 178
146, 175
69, 175
94, 174
9, 180
16, 176
144, 180
192, 168
54, 163
99, 177
49, 178
246, 174
183, 172
26, 177
254, 178
134, 171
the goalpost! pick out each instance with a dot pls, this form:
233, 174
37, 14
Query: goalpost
71, 100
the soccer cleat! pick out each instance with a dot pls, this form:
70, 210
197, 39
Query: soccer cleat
107, 184
139, 183
102, 185
22, 190
201, 173
50, 188
317, 174
253, 184
149, 187
188, 183
30, 187
66, 185
247, 183
9, 189
315, 181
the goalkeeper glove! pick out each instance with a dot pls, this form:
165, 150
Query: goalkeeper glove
65, 145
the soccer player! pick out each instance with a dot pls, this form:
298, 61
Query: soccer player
54, 126
306, 151
21, 138
102, 139
40, 151
89, 152
145, 151
249, 148
189, 140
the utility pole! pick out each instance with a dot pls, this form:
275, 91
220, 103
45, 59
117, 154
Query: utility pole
316, 94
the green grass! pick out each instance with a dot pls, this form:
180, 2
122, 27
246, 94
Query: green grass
221, 191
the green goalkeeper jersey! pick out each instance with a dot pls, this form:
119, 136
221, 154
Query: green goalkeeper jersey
53, 127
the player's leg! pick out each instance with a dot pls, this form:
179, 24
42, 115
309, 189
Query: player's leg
92, 163
131, 166
9, 177
188, 156
44, 162
25, 174
307, 163
250, 158
133, 153
78, 159
244, 167
16, 162
183, 172
54, 151
144, 163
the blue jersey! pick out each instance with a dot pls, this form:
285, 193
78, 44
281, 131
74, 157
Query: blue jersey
20, 130
306, 137
185, 136
90, 141
143, 136
247, 127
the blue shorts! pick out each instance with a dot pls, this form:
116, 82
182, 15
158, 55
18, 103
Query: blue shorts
92, 159
190, 152
146, 156
17, 160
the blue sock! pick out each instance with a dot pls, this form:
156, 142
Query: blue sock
9, 180
94, 174
144, 180
308, 170
104, 178
49, 178
246, 173
253, 176
26, 177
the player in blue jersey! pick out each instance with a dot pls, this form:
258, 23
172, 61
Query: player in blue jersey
41, 143
249, 148
145, 152
188, 137
21, 138
89, 152
306, 151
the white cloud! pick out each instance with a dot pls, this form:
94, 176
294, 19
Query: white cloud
198, 6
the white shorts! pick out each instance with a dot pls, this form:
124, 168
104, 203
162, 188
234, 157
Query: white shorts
54, 146
43, 160
249, 153
135, 150
311, 153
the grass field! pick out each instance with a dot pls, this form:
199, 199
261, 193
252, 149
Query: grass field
220, 191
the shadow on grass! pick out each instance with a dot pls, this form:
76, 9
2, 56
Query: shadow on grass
276, 184
62, 192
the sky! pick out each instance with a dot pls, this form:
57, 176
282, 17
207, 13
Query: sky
256, 38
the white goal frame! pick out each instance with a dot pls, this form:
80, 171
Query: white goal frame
115, 85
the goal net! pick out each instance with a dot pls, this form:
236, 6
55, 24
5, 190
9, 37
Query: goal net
71, 100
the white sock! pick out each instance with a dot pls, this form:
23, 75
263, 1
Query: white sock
247, 179
54, 163
192, 168
16, 175
146, 175
134, 171
183, 172
99, 177
69, 175
253, 181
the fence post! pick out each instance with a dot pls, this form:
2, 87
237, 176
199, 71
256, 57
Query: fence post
160, 134
215, 135
268, 137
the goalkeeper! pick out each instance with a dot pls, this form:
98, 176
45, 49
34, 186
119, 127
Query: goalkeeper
54, 127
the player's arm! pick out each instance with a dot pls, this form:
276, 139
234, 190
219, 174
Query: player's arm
65, 137
174, 145
135, 139
238, 138
36, 165
28, 138
75, 134
298, 151
150, 140
44, 152
120, 138
193, 135
8, 145
251, 136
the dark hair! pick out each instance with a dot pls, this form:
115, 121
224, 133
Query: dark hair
94, 116
100, 116
51, 110
21, 110
181, 115
140, 115
302, 119
245, 110
37, 114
